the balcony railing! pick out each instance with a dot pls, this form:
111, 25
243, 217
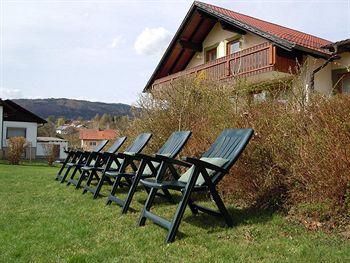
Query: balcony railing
251, 61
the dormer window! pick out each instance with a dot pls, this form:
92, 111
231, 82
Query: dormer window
233, 47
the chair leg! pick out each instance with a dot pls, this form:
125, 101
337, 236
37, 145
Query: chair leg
168, 196
114, 189
186, 194
133, 187
192, 207
63, 179
73, 174
175, 223
88, 181
80, 180
60, 171
147, 206
99, 186
222, 208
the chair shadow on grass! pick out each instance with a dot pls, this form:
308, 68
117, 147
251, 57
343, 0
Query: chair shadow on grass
214, 224
245, 216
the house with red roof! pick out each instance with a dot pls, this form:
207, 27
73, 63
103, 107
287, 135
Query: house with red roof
90, 137
226, 45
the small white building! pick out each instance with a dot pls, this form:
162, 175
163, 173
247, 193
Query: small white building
16, 121
66, 129
44, 142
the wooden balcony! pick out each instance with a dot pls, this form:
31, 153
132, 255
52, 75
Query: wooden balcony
256, 60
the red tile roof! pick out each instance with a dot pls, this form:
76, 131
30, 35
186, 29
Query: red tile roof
285, 33
90, 134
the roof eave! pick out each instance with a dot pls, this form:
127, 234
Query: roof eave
312, 52
171, 45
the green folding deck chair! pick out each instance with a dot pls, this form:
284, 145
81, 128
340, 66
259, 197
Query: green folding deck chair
91, 160
98, 161
148, 167
113, 163
203, 175
77, 158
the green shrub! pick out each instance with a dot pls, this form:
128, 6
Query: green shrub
300, 151
16, 147
51, 152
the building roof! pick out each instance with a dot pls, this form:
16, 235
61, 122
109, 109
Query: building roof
291, 36
339, 46
14, 112
202, 17
50, 139
91, 134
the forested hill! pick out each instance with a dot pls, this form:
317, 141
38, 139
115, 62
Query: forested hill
73, 109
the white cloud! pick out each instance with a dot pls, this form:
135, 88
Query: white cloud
117, 41
152, 41
10, 93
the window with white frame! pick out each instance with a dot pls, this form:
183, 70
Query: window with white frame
15, 132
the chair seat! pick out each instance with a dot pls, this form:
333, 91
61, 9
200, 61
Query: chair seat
88, 168
174, 185
71, 164
113, 173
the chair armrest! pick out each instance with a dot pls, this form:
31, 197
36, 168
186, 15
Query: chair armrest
124, 155
107, 154
146, 157
203, 164
171, 160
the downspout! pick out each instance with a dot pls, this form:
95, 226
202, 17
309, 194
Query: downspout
2, 131
333, 57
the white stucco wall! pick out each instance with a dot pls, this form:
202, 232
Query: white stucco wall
1, 120
31, 132
219, 36
40, 151
323, 78
344, 62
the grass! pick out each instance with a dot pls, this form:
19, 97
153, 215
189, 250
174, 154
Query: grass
44, 221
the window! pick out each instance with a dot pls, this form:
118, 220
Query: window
15, 132
211, 54
233, 47
93, 143
344, 84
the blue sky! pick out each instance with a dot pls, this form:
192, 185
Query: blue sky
106, 50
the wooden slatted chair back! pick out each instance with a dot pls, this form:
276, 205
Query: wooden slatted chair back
117, 144
174, 144
229, 145
139, 143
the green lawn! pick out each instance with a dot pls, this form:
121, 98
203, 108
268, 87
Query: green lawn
44, 221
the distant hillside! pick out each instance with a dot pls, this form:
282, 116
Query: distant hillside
72, 109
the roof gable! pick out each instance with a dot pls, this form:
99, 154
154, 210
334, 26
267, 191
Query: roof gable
14, 112
200, 20
91, 134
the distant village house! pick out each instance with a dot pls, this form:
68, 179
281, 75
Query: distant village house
90, 138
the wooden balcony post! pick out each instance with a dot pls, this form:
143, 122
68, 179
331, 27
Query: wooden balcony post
272, 57
228, 67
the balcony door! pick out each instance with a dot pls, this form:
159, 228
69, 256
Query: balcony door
233, 47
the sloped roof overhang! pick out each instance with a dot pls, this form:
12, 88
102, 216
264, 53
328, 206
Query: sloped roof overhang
208, 18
